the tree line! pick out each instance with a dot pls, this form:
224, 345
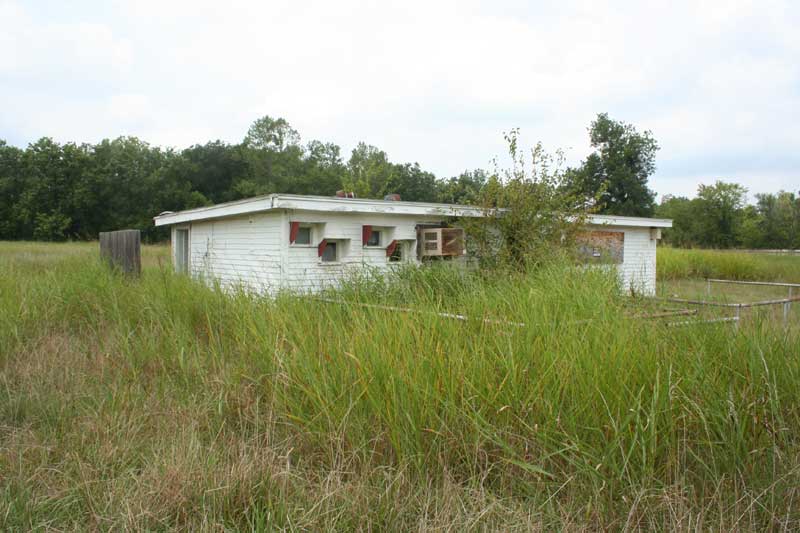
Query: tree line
614, 179
720, 217
53, 191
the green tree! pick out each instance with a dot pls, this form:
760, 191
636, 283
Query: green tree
462, 189
274, 160
719, 213
778, 219
614, 178
751, 231
134, 182
55, 199
368, 171
685, 231
213, 168
11, 188
323, 169
273, 134
411, 183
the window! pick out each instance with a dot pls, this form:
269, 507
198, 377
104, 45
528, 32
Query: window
374, 238
303, 235
397, 253
329, 254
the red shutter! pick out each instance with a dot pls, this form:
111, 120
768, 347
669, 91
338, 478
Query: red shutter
294, 227
390, 248
366, 233
321, 248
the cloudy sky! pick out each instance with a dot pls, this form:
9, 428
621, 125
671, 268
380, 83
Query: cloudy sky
718, 82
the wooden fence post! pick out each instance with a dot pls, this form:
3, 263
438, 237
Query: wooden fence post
121, 249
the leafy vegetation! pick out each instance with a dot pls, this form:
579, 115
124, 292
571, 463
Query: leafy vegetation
529, 213
719, 217
52, 191
614, 177
161, 403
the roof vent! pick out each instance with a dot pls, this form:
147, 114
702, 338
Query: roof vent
394, 197
345, 194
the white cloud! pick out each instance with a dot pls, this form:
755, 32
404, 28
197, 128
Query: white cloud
129, 107
434, 82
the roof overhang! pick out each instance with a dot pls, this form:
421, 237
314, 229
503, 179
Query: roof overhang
630, 222
328, 204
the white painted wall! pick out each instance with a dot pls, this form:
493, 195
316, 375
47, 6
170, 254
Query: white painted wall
638, 269
237, 252
253, 251
305, 272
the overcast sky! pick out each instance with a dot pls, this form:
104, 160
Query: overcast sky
718, 83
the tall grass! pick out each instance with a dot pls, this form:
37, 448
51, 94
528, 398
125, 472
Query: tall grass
675, 263
162, 403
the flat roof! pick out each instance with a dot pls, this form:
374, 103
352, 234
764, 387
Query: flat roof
330, 204
635, 222
334, 204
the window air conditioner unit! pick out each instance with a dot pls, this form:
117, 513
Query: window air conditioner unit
442, 242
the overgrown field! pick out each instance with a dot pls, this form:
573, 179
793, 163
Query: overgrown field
676, 263
160, 403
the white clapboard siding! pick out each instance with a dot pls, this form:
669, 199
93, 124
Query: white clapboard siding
242, 252
305, 272
253, 251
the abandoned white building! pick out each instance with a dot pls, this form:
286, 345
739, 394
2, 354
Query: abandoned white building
304, 243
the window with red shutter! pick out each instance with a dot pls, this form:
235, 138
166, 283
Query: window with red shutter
299, 234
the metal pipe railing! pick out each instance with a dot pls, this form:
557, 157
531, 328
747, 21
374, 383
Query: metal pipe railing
769, 283
787, 303
739, 305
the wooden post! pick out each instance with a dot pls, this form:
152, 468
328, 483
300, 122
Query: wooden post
122, 250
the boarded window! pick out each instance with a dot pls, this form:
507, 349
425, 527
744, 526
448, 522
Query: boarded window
303, 235
453, 241
604, 247
329, 254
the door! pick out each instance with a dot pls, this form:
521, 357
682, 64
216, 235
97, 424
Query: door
182, 251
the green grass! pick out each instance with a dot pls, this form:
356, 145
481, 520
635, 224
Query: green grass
160, 403
675, 263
